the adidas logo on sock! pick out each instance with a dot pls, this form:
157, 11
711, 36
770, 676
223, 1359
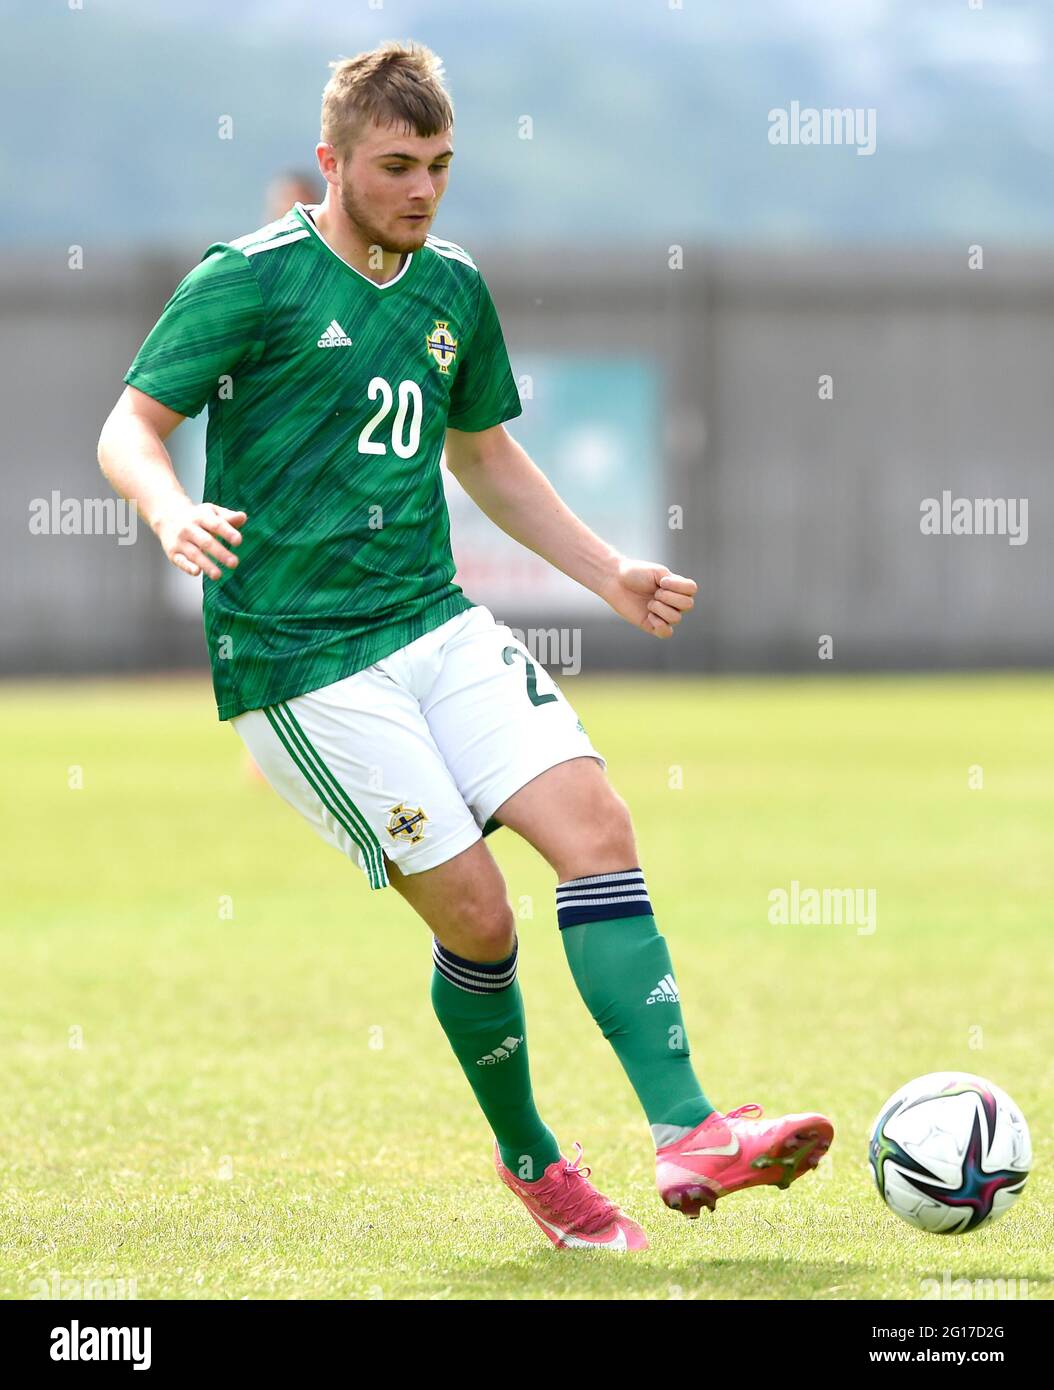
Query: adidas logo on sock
334, 336
665, 992
507, 1048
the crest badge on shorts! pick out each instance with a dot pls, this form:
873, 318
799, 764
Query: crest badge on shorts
406, 824
442, 344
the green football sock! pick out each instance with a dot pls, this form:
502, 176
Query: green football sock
480, 1008
622, 968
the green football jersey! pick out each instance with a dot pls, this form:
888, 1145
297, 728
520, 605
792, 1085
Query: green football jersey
329, 396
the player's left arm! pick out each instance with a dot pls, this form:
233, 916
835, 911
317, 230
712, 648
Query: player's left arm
508, 487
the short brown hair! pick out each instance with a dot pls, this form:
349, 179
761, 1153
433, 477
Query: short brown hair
392, 84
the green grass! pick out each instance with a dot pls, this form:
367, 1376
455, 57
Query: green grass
230, 1127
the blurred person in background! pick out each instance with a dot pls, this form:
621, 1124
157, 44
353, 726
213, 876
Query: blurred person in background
285, 190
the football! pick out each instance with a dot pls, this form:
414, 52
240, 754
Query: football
950, 1151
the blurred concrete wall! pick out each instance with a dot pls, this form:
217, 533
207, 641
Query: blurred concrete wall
801, 515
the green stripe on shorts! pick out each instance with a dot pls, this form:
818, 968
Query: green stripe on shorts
328, 790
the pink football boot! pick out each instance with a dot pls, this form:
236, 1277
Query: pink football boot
569, 1209
726, 1153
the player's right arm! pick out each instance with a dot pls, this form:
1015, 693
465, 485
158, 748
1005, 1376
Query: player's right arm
212, 328
133, 458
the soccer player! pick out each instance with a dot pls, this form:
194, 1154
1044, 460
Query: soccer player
340, 350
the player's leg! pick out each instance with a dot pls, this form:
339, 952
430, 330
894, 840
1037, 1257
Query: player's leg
357, 760
479, 1006
519, 753
614, 949
477, 998
520, 756
619, 959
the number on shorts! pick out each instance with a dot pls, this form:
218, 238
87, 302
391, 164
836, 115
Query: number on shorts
532, 675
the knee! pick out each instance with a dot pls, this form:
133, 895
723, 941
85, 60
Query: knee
616, 840
604, 841
486, 930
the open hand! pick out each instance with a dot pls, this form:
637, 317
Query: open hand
190, 537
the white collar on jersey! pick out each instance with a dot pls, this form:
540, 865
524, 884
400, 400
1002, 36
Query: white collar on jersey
307, 211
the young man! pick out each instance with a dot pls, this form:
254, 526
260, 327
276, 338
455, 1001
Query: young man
339, 350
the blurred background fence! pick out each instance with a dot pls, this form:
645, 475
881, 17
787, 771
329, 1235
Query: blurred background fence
682, 412
675, 281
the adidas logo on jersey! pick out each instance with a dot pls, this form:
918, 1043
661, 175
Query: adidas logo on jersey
334, 336
665, 992
507, 1048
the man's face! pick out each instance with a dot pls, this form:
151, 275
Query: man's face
391, 185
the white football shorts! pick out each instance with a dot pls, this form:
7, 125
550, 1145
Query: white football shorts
409, 758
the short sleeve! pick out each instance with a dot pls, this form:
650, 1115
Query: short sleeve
484, 392
212, 325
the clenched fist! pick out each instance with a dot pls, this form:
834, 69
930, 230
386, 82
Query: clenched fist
649, 596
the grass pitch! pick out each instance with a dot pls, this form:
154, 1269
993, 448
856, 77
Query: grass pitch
223, 1077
